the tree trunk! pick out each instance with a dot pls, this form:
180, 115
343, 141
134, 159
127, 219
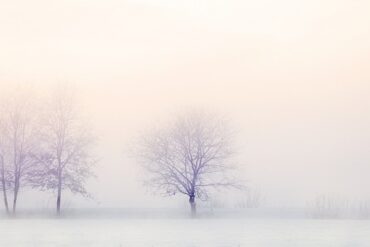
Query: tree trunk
3, 183
59, 196
193, 206
6, 202
15, 197
58, 202
5, 196
5, 199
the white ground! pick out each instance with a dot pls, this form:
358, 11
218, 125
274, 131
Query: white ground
184, 232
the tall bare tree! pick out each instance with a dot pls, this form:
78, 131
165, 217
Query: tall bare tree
66, 143
17, 142
3, 173
189, 156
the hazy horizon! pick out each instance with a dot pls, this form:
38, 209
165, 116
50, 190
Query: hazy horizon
292, 76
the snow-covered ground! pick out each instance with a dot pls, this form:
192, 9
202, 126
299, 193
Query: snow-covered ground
183, 232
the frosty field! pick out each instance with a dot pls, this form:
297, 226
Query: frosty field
183, 232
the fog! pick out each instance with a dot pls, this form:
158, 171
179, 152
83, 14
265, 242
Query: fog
292, 76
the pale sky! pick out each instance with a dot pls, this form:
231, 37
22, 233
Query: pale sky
294, 77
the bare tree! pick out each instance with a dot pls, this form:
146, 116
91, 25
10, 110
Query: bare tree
3, 174
65, 159
17, 142
189, 156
